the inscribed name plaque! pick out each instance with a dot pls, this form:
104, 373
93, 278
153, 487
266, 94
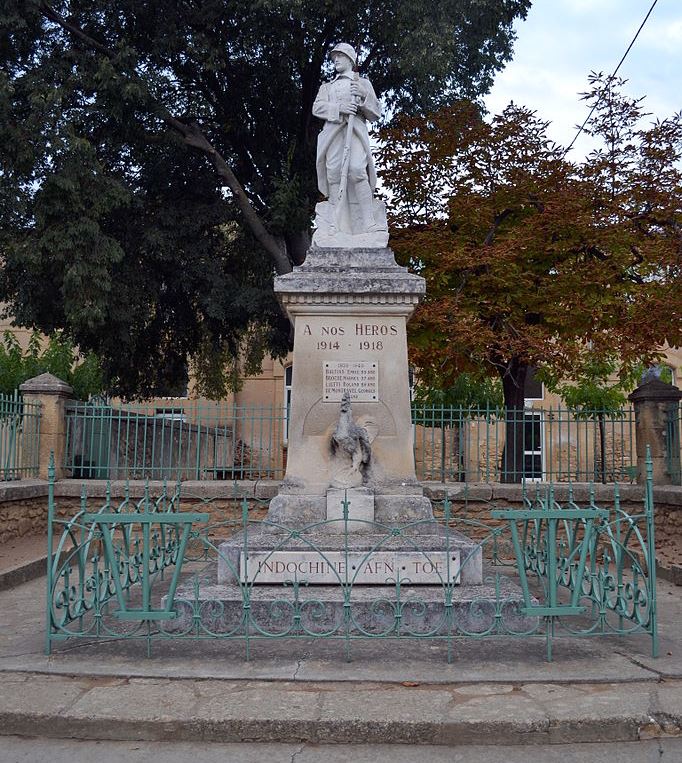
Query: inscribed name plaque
379, 568
359, 378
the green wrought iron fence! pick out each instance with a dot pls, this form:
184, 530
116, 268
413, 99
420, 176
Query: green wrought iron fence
673, 444
215, 440
188, 441
147, 569
19, 437
534, 444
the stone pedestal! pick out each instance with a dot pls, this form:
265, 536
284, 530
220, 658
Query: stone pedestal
657, 425
376, 542
350, 309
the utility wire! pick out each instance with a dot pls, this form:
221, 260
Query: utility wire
611, 77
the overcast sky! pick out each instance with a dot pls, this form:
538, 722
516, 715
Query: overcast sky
561, 41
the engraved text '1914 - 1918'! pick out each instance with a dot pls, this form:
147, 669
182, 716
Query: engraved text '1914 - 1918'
359, 336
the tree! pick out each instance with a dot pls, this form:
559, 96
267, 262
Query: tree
531, 260
158, 157
58, 356
596, 393
469, 396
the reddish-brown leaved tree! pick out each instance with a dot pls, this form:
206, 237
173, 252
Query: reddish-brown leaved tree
530, 259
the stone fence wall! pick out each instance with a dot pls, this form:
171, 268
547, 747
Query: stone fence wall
23, 505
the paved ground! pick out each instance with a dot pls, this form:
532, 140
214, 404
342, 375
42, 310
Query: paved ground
23, 559
26, 750
304, 693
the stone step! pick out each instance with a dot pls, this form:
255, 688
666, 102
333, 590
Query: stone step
373, 611
260, 711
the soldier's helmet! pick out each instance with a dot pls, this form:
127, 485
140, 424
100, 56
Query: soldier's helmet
347, 50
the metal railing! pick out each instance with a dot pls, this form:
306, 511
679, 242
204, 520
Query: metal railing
147, 569
19, 437
219, 441
533, 444
673, 436
188, 441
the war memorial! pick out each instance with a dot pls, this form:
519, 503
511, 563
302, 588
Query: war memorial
252, 619
350, 548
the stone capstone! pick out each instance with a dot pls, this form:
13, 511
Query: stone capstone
337, 276
46, 384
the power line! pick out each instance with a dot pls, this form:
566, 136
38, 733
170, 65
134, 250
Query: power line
610, 78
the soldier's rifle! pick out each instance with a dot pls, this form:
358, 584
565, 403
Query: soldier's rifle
345, 164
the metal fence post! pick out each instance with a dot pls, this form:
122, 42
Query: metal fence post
50, 552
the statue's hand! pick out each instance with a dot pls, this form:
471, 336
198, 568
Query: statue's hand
348, 108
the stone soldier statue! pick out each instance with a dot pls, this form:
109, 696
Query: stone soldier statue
345, 168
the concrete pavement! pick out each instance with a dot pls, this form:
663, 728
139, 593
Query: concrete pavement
601, 690
30, 750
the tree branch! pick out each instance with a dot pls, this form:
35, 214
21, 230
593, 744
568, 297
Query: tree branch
193, 136
499, 219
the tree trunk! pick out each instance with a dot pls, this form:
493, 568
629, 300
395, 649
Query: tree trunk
513, 385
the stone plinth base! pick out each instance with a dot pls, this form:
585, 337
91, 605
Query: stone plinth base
394, 504
416, 548
297, 610
360, 506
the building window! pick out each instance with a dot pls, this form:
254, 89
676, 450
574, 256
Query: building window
533, 450
173, 414
533, 388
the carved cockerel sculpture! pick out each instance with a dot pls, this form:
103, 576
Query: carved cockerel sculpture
350, 448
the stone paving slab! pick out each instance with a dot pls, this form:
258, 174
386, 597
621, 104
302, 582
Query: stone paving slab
227, 711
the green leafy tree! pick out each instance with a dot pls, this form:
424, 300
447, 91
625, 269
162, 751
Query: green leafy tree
598, 392
58, 357
469, 396
159, 156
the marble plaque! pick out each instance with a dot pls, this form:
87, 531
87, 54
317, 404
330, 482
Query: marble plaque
359, 377
379, 568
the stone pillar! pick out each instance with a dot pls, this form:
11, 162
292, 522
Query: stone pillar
52, 394
657, 425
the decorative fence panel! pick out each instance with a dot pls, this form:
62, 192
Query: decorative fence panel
19, 438
188, 441
149, 569
552, 445
220, 441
